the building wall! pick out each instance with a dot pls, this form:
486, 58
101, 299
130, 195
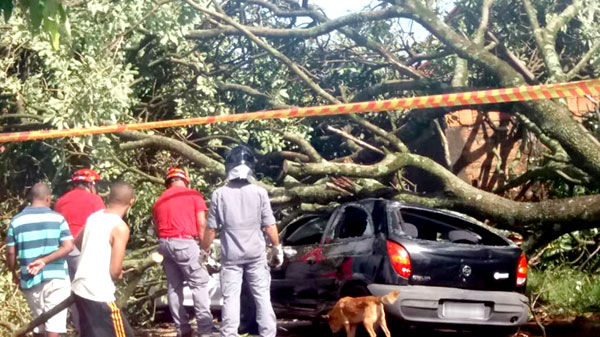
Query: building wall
487, 148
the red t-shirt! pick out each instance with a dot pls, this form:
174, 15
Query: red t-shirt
175, 212
76, 206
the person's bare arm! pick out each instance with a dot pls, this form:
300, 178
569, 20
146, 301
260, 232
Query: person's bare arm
79, 239
209, 237
119, 238
11, 262
66, 246
272, 234
201, 222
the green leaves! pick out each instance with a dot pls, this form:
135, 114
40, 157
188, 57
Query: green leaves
49, 15
51, 19
6, 7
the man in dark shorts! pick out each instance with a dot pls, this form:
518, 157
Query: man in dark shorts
102, 243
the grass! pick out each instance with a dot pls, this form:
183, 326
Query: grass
565, 291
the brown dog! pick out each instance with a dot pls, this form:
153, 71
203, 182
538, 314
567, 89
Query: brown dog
348, 312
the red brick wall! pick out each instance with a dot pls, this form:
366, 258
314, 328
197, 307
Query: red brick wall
489, 147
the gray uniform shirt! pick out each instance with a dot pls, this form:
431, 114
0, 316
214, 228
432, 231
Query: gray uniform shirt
240, 210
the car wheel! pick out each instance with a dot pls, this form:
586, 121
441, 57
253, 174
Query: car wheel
355, 290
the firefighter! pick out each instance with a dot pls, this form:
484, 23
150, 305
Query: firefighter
241, 211
179, 219
76, 206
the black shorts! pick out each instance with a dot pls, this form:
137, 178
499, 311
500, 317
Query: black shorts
101, 319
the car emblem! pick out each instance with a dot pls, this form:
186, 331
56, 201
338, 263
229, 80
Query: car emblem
466, 271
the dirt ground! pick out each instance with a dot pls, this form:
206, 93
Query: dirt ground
293, 328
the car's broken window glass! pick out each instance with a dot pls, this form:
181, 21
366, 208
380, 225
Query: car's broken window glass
354, 223
307, 234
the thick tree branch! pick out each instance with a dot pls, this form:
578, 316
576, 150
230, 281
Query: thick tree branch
561, 20
460, 195
512, 59
545, 40
479, 38
461, 66
304, 146
212, 166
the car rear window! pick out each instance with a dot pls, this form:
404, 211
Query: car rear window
440, 227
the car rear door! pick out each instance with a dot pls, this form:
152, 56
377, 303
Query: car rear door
293, 284
347, 250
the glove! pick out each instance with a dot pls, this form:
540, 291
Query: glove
276, 256
203, 258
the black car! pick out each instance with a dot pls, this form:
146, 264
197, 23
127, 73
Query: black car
449, 270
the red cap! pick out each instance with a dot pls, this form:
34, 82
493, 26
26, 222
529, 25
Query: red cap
176, 172
87, 175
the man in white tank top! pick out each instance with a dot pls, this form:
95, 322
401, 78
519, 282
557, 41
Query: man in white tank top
102, 244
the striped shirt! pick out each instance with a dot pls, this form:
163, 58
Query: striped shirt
37, 232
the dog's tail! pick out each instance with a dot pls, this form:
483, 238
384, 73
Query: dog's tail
389, 298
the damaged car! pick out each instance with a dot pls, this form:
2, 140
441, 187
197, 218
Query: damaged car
449, 269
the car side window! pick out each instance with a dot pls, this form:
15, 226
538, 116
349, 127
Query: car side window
308, 234
354, 222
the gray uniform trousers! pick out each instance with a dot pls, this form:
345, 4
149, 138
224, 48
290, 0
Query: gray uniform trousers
182, 263
258, 277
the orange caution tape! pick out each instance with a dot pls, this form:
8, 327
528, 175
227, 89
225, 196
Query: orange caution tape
559, 90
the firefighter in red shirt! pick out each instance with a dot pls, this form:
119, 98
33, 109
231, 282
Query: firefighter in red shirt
76, 206
180, 220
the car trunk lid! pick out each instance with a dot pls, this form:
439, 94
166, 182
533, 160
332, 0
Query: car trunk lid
465, 266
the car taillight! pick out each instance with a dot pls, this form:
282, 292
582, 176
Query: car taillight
522, 270
399, 258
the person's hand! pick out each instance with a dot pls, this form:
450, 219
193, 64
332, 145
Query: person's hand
203, 258
277, 256
36, 266
16, 280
